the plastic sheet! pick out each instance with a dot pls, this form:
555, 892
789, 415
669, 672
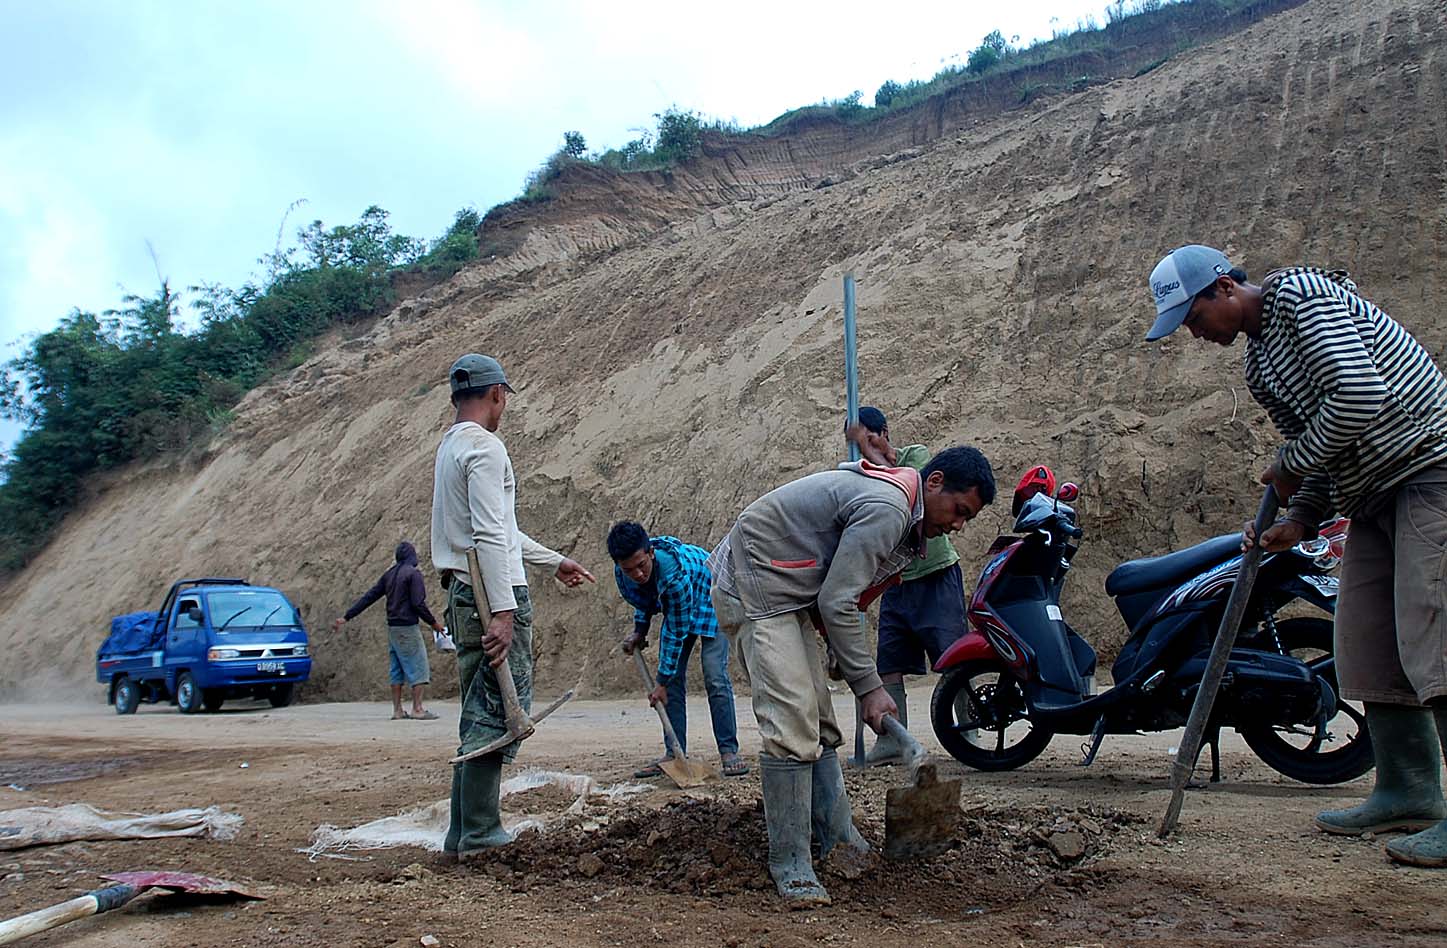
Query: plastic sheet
426, 826
47, 825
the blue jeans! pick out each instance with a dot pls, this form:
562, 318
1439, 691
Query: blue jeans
714, 654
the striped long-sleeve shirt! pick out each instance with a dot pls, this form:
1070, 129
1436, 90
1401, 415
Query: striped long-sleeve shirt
1362, 404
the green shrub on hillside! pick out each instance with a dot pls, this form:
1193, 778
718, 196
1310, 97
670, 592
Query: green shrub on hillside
101, 390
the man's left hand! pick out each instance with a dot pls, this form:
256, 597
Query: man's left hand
659, 695
572, 573
1284, 483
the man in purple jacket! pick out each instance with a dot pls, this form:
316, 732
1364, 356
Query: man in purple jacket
406, 603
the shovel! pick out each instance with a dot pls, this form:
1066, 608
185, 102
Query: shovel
130, 885
682, 771
519, 725
920, 817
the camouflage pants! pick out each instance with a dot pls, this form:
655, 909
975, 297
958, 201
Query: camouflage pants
483, 718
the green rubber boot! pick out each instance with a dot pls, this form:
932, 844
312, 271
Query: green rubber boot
478, 808
841, 849
788, 789
887, 749
1408, 792
832, 816
1428, 848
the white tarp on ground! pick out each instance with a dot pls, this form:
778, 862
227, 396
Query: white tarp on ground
45, 825
426, 826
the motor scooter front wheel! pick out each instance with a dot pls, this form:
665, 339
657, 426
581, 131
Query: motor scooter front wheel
979, 714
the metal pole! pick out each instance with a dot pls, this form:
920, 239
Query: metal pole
851, 362
851, 401
1185, 763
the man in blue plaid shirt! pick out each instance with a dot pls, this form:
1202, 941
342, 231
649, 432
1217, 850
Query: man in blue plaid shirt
663, 574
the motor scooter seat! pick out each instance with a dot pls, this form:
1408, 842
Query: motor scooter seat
1172, 568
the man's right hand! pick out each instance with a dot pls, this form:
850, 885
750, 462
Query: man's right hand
874, 705
1280, 536
498, 638
633, 641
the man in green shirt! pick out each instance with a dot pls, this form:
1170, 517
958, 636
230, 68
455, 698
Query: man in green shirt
925, 612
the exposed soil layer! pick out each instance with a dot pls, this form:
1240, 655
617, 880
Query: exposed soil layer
674, 378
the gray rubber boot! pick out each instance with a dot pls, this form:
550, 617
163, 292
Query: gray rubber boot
833, 817
1408, 792
1428, 848
841, 849
788, 794
478, 809
886, 749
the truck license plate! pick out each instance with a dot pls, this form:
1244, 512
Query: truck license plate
277, 667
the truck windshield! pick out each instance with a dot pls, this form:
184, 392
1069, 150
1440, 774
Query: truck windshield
249, 609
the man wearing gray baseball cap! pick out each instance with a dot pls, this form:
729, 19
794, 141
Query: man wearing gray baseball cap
474, 504
1363, 409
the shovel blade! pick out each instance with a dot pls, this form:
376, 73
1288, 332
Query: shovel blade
182, 882
920, 820
685, 772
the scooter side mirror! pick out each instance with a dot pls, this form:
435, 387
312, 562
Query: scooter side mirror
1068, 492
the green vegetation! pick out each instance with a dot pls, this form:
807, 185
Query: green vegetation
996, 58
101, 390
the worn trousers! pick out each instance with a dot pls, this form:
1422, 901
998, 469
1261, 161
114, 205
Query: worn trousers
714, 655
781, 657
1391, 616
483, 718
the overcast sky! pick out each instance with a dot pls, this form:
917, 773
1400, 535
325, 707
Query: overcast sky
192, 127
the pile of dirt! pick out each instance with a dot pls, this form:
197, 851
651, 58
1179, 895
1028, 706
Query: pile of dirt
675, 377
716, 846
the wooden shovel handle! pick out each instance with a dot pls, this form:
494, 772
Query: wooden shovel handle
518, 724
43, 920
648, 686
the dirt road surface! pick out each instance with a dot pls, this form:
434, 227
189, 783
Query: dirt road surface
1050, 855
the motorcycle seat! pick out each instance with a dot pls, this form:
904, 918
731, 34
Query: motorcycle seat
1172, 568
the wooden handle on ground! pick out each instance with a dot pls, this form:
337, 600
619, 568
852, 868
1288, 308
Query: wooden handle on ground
43, 920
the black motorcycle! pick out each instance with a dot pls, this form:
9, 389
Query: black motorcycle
1021, 674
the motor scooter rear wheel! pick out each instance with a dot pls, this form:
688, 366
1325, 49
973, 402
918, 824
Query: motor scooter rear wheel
1339, 752
979, 714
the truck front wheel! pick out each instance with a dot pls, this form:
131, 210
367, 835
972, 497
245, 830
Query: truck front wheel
188, 695
127, 697
281, 695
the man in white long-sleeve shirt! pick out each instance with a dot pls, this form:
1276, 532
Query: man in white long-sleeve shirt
474, 497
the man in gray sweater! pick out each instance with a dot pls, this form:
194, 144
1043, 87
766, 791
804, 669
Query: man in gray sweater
822, 548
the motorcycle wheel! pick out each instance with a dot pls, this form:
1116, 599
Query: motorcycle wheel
1343, 751
978, 712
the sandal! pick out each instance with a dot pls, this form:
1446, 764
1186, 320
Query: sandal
401, 716
424, 716
734, 766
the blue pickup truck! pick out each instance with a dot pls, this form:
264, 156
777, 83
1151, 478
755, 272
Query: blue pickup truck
212, 639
